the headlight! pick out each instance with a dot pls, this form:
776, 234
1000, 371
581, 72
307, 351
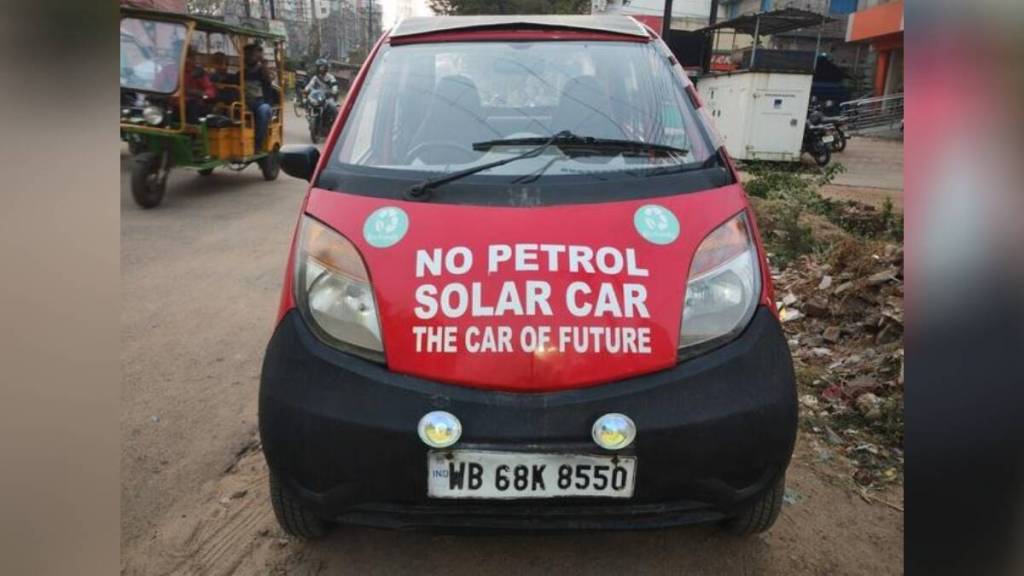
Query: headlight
317, 97
723, 287
153, 115
333, 291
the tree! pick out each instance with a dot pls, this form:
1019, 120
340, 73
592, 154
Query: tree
472, 7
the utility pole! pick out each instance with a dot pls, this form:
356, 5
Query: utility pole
666, 20
709, 43
314, 24
369, 28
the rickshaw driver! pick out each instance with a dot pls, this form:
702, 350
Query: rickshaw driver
259, 91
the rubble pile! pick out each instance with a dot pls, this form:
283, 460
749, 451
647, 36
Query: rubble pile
842, 310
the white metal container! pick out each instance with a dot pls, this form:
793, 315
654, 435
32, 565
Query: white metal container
760, 115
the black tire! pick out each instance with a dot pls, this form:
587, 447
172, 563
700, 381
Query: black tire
839, 144
135, 146
822, 155
294, 518
760, 516
312, 134
270, 164
147, 186
206, 171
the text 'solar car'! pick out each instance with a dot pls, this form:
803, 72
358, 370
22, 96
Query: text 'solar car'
526, 290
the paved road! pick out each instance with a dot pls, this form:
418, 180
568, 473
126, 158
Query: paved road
201, 276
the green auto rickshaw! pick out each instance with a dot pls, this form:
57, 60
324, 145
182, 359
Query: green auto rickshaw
186, 101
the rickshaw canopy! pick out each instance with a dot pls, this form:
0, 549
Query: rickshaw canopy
203, 23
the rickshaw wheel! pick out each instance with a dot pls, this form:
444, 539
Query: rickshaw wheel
205, 171
147, 184
270, 164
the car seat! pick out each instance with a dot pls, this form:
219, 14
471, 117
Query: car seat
585, 109
454, 114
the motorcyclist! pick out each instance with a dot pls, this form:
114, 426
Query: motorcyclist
324, 80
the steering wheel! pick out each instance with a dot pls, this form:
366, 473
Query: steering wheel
467, 153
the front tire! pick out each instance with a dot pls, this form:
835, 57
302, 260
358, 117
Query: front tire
822, 155
147, 184
294, 518
762, 514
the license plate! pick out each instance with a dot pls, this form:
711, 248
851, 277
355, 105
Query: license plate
507, 475
827, 139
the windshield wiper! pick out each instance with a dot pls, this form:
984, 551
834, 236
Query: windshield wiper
564, 140
422, 190
568, 141
710, 162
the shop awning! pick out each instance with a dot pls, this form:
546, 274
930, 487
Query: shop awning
773, 22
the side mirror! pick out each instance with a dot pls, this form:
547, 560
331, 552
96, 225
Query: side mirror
299, 160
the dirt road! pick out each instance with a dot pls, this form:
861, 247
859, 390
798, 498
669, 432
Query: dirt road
200, 282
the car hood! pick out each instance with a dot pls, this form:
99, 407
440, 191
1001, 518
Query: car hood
528, 298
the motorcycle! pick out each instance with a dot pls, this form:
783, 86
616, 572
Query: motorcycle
839, 125
818, 139
320, 110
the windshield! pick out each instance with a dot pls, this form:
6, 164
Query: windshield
424, 106
151, 53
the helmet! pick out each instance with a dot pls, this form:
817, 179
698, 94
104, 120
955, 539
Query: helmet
321, 63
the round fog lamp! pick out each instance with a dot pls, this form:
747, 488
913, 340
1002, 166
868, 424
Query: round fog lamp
439, 429
614, 431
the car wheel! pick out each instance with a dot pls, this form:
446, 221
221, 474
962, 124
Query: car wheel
270, 164
294, 518
147, 185
761, 514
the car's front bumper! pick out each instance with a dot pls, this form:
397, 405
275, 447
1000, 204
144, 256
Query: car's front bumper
714, 432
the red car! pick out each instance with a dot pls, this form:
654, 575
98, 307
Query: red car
526, 290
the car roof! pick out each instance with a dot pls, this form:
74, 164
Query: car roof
603, 23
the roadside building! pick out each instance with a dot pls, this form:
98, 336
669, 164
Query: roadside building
853, 60
878, 24
686, 14
350, 29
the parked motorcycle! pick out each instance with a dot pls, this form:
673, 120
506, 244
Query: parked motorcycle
320, 110
839, 124
818, 139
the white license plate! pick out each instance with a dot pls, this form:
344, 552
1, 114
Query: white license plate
506, 475
827, 139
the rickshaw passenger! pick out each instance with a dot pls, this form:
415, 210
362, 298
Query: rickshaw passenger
259, 91
200, 92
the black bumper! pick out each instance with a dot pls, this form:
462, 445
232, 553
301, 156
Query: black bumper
714, 432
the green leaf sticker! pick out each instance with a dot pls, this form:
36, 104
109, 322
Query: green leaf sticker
386, 226
656, 223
